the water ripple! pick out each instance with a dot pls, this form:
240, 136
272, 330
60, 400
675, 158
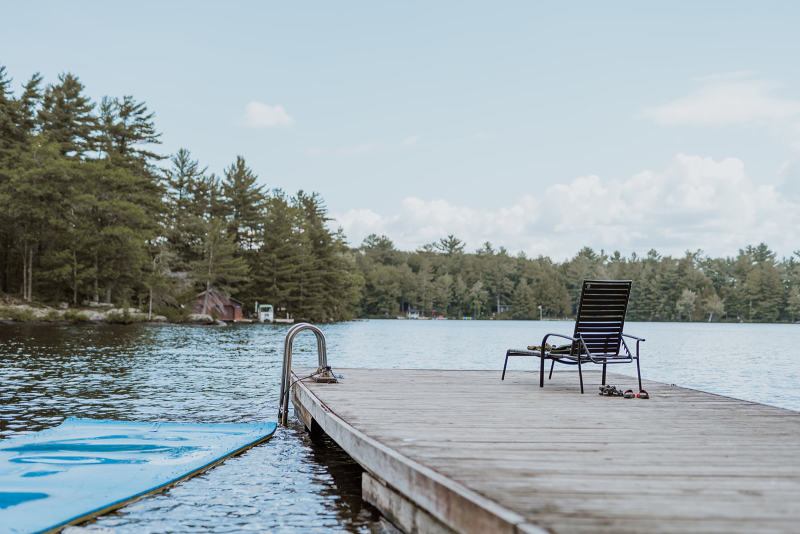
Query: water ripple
293, 483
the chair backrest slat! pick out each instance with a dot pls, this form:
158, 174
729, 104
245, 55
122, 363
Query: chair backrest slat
601, 314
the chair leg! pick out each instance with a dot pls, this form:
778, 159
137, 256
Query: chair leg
580, 373
639, 372
604, 374
541, 373
552, 364
503, 376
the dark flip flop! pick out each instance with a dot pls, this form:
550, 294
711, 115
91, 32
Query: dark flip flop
608, 391
643, 394
628, 394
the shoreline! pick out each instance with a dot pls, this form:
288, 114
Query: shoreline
42, 314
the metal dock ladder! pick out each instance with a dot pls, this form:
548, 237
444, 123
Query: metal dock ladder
323, 373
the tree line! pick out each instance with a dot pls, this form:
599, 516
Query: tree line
92, 212
442, 279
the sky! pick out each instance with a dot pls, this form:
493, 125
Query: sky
541, 127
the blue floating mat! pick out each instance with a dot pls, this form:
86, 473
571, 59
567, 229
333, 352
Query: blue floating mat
86, 467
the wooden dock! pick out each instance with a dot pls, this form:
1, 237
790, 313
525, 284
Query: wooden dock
462, 451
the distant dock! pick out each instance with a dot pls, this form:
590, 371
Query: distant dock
462, 451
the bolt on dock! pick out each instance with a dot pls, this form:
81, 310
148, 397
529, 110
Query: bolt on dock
461, 451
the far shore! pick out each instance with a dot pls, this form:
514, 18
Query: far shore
40, 314
15, 313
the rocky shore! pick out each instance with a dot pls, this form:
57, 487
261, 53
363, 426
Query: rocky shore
26, 313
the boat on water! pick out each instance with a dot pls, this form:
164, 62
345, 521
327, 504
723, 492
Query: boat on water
266, 314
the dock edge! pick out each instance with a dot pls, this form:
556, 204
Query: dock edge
393, 481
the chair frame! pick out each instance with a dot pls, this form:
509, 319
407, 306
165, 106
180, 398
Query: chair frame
579, 352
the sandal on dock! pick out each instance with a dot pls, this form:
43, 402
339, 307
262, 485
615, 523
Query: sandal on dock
628, 394
610, 391
643, 394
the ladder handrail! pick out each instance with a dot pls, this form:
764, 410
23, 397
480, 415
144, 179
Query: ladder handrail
322, 357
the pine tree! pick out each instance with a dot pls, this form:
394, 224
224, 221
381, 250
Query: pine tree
523, 303
35, 195
127, 126
10, 138
244, 201
25, 161
208, 201
380, 249
29, 103
124, 210
276, 275
218, 267
441, 292
450, 245
184, 179
327, 291
66, 116
11, 135
160, 284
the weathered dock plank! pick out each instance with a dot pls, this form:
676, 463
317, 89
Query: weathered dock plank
475, 454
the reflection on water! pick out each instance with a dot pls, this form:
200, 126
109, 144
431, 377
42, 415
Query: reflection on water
188, 374
296, 482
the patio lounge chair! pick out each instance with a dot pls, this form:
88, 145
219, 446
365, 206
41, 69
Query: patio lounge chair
598, 336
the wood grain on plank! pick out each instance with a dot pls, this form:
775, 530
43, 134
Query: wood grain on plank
682, 461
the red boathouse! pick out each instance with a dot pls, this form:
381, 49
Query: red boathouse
224, 307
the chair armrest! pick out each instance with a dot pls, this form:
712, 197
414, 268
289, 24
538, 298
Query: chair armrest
638, 341
633, 337
574, 340
557, 335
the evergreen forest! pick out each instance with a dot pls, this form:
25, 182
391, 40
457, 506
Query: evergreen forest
91, 211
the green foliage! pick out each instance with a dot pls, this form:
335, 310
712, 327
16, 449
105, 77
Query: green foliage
714, 307
74, 316
172, 313
126, 126
523, 302
686, 304
123, 317
754, 286
243, 200
66, 116
20, 315
218, 265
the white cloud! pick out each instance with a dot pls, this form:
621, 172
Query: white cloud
424, 221
727, 102
411, 140
695, 202
260, 115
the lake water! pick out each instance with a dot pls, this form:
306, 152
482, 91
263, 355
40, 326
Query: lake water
232, 374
